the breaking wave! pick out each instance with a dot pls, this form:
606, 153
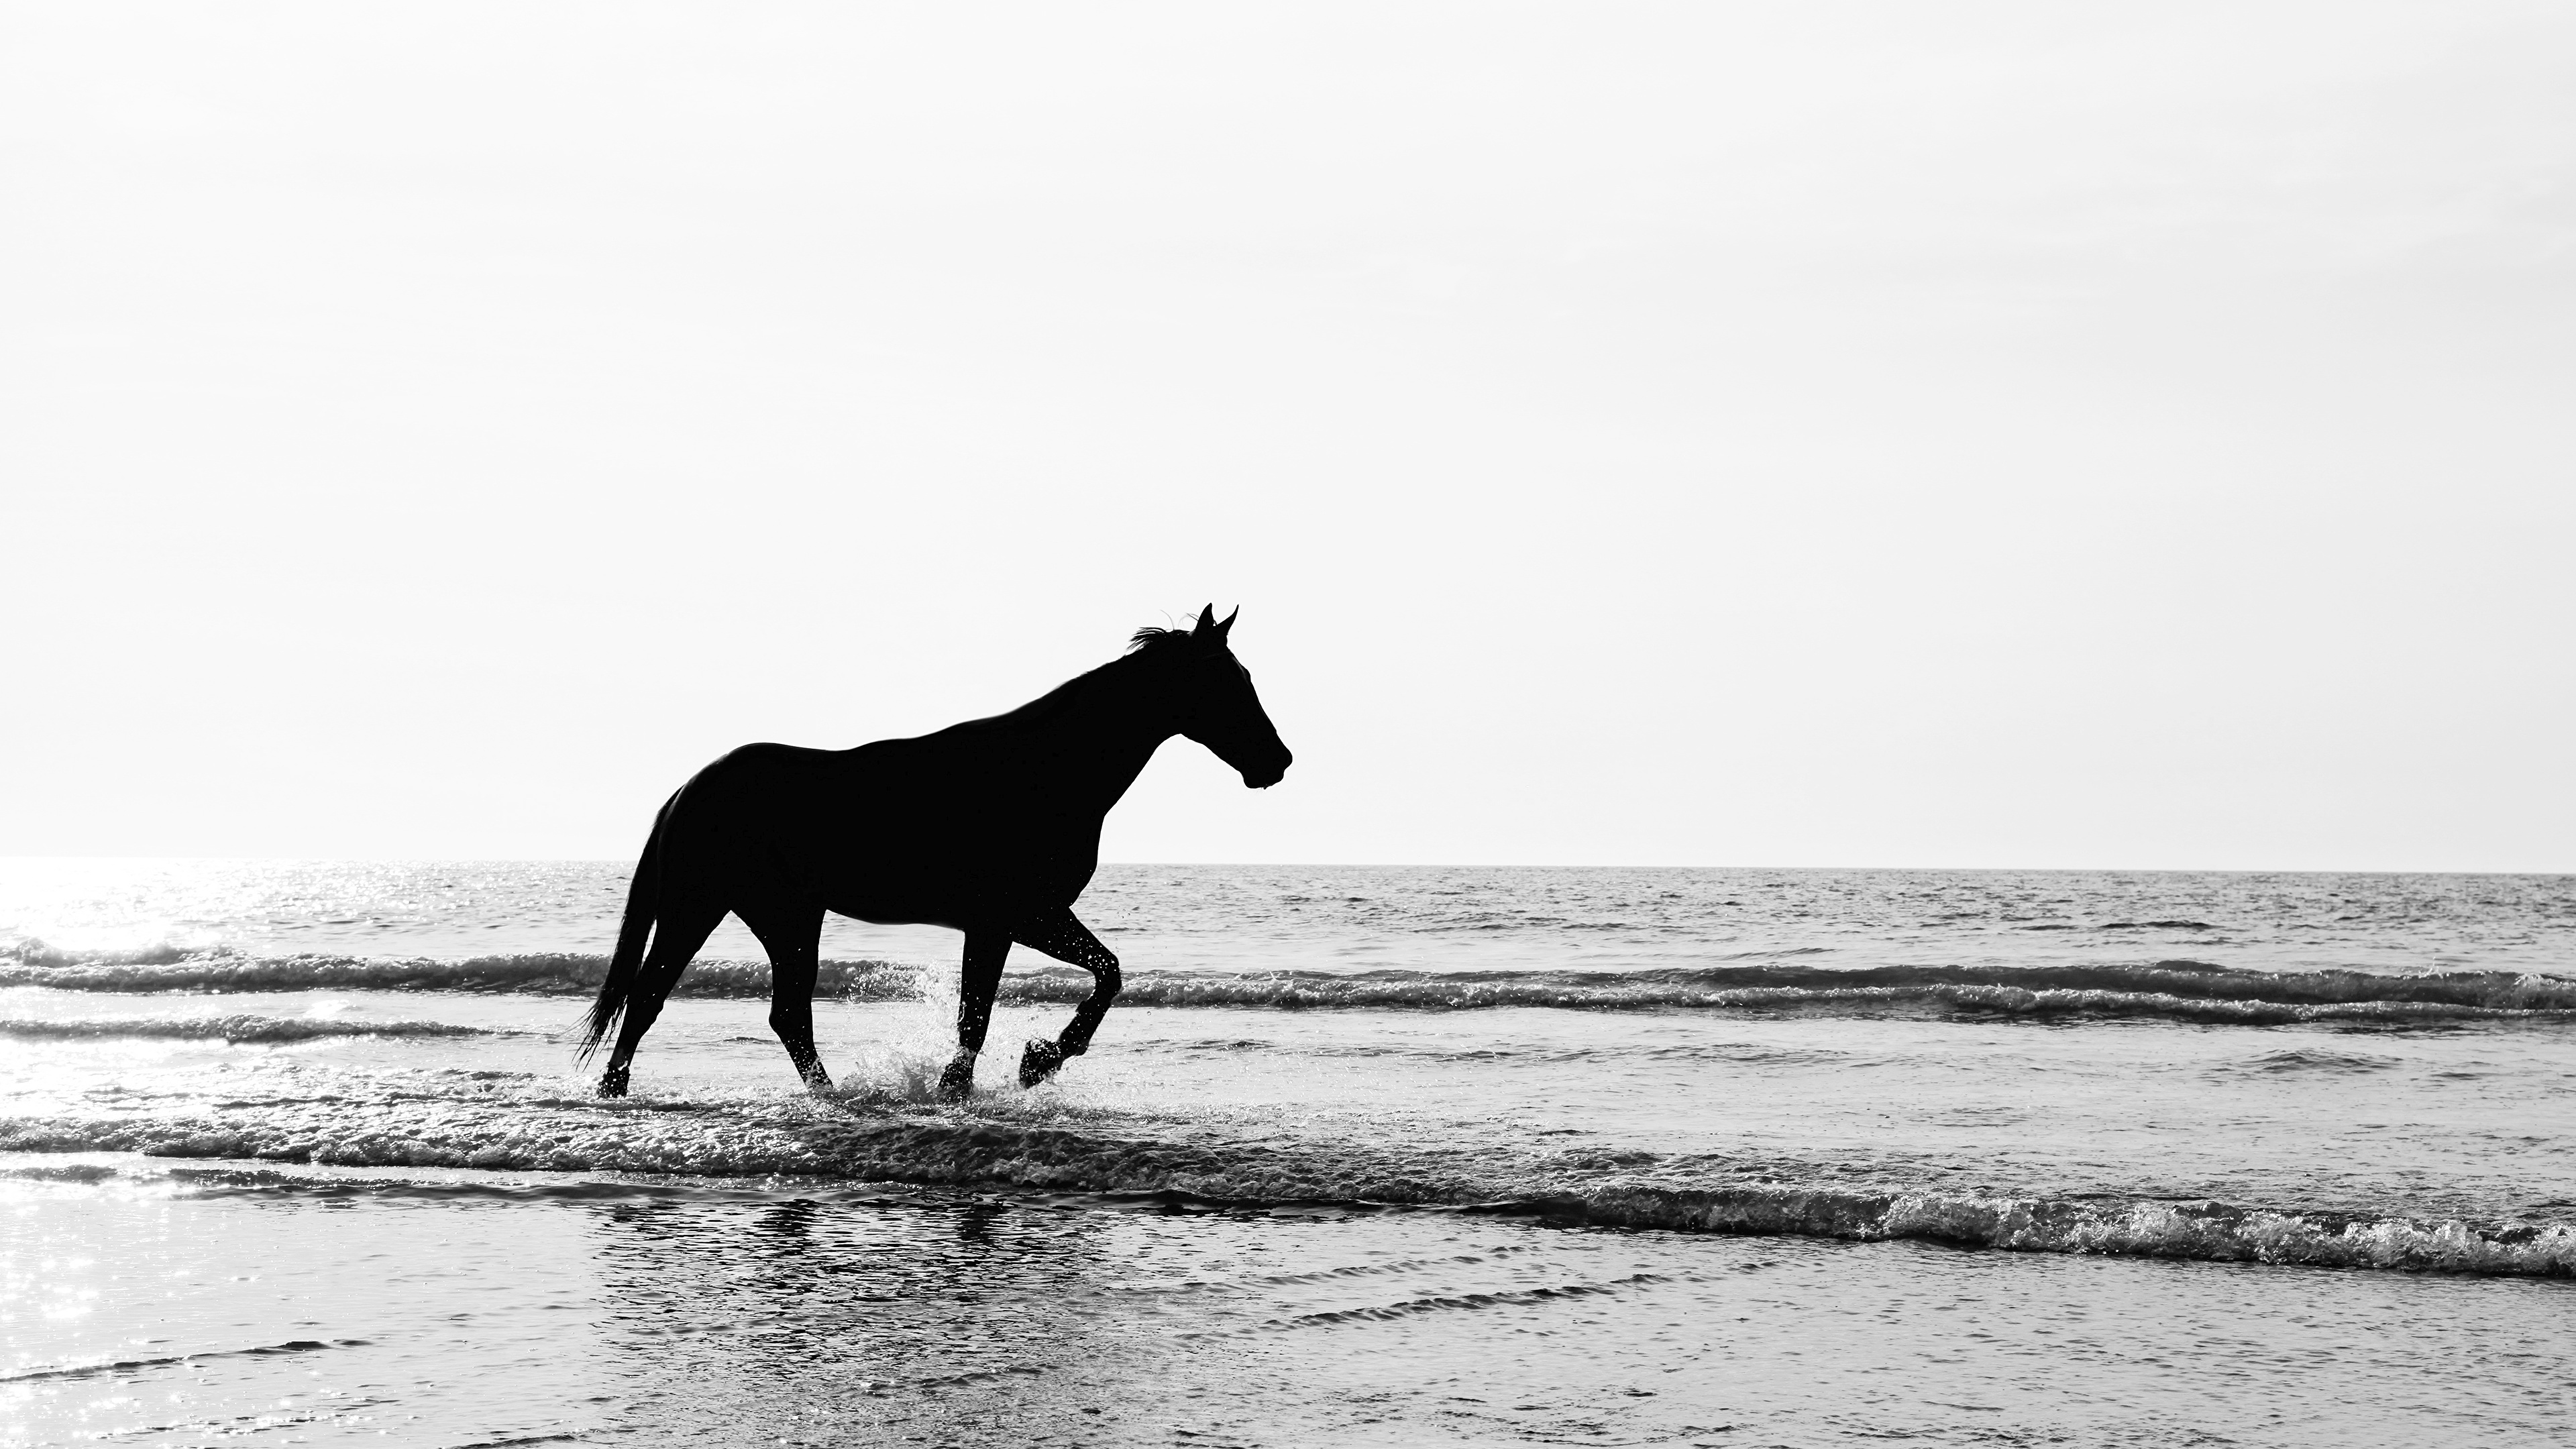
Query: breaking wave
811, 1142
2176, 990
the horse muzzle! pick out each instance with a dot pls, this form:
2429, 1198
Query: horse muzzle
1262, 777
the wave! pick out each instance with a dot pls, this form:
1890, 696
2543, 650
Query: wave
2175, 990
2185, 992
1445, 1303
2160, 1228
130, 1365
2312, 1060
567, 973
233, 1029
795, 1143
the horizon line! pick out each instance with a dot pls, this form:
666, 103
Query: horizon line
1382, 865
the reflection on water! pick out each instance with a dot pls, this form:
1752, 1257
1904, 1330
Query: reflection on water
802, 1319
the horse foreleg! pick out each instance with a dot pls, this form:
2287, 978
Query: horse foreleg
1059, 935
976, 984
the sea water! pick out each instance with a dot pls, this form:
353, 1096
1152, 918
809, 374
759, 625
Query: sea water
301, 1153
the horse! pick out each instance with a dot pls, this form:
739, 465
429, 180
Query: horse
990, 828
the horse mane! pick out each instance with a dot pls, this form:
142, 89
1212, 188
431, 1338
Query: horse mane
1151, 638
1148, 642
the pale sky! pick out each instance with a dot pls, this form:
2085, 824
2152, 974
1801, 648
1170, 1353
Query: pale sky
1795, 434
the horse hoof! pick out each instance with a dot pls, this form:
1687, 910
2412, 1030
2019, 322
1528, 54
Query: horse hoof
958, 1082
1038, 1062
613, 1084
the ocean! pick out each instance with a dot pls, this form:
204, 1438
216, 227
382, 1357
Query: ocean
300, 1153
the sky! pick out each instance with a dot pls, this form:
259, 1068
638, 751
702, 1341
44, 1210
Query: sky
2011, 435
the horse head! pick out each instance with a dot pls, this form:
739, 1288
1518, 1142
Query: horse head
1212, 698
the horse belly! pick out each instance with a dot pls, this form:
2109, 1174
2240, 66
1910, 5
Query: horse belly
885, 834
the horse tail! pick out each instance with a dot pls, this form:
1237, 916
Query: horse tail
642, 900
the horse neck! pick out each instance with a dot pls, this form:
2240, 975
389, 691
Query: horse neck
1106, 730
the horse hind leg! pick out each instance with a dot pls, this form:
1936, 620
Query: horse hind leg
676, 939
793, 937
977, 982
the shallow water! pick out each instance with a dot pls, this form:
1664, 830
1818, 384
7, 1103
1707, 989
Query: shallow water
1378, 1156
430, 1312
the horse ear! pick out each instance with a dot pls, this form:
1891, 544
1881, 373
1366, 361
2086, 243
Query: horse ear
1207, 623
1228, 626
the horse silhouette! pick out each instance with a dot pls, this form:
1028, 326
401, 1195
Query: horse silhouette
991, 827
